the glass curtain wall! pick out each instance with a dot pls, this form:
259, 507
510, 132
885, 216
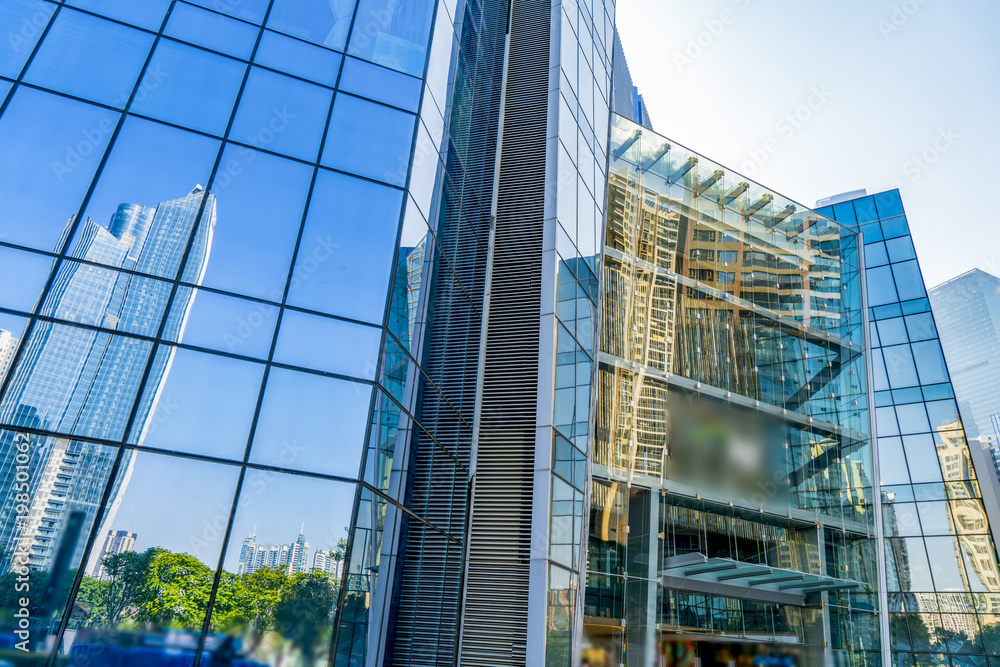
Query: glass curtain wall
219, 254
942, 574
731, 509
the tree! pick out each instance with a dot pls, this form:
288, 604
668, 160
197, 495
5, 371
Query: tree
263, 591
124, 584
303, 613
177, 591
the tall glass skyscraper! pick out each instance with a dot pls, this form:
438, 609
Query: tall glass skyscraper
390, 333
967, 310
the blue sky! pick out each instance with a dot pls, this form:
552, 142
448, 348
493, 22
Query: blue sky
902, 93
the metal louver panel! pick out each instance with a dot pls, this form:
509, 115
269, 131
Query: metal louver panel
495, 612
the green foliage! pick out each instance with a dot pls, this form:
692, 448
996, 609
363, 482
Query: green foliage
303, 612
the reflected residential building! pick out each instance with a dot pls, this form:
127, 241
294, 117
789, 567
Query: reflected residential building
116, 542
82, 380
292, 558
325, 562
8, 346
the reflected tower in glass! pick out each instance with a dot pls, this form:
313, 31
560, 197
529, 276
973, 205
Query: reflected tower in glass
942, 573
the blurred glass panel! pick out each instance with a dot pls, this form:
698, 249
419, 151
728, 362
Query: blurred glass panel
310, 422
369, 139
145, 591
90, 58
45, 527
222, 322
344, 261
560, 617
205, 405
286, 555
147, 14
190, 87
326, 344
260, 199
297, 57
324, 22
211, 30
50, 148
23, 276
147, 200
25, 19
393, 33
281, 114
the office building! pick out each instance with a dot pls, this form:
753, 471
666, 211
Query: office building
117, 542
967, 312
445, 295
939, 494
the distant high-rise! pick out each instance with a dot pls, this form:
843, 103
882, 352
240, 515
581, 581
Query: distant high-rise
291, 557
116, 542
8, 345
325, 562
82, 381
967, 312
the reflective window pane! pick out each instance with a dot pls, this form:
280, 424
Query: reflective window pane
222, 322
260, 201
881, 289
23, 276
909, 283
49, 150
190, 87
324, 22
146, 14
297, 57
393, 34
211, 30
153, 564
281, 114
204, 406
311, 422
345, 256
286, 556
912, 418
899, 365
922, 458
248, 10
325, 344
380, 84
25, 19
91, 58
930, 362
369, 139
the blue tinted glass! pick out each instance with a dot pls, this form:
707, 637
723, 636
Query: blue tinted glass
260, 199
930, 362
844, 213
888, 204
939, 391
885, 422
24, 21
878, 365
912, 418
393, 33
220, 322
146, 14
90, 58
895, 227
865, 210
23, 276
884, 312
827, 211
900, 249
871, 232
324, 22
909, 283
881, 289
190, 87
297, 57
369, 139
380, 84
943, 414
325, 344
183, 160
205, 405
923, 458
211, 30
282, 114
911, 395
345, 256
4, 87
920, 326
892, 332
875, 255
873, 331
50, 147
310, 422
899, 366
248, 10
883, 398
915, 306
